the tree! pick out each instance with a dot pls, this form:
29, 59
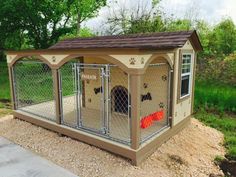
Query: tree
85, 9
224, 35
44, 21
41, 21
143, 16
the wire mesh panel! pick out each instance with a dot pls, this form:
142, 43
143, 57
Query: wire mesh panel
33, 87
83, 96
68, 94
154, 100
95, 97
91, 98
119, 122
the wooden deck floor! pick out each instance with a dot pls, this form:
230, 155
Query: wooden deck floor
91, 118
45, 110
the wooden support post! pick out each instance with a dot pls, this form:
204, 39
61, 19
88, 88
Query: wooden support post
56, 88
193, 82
135, 91
174, 89
11, 81
171, 98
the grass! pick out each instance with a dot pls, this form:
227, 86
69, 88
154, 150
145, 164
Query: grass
215, 97
4, 90
4, 82
226, 124
212, 102
34, 84
218, 159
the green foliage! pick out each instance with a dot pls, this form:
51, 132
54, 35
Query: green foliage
224, 35
218, 70
204, 31
229, 69
39, 24
40, 20
213, 96
179, 25
34, 81
225, 124
84, 32
84, 9
4, 82
1, 105
219, 40
218, 159
142, 18
144, 25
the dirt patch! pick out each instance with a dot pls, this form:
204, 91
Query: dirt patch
189, 153
228, 167
4, 112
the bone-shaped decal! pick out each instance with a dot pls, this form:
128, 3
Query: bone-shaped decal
148, 96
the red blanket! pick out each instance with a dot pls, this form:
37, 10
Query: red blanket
148, 120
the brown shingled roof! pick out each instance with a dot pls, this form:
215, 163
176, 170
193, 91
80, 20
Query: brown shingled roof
162, 40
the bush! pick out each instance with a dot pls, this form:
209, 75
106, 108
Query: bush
218, 70
229, 69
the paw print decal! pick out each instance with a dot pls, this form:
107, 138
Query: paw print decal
142, 60
54, 59
132, 61
164, 77
161, 105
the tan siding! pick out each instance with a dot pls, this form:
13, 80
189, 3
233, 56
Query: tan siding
118, 78
182, 109
157, 87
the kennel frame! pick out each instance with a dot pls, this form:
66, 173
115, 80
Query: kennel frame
105, 100
137, 151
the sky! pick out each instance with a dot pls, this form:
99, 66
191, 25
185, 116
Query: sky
210, 10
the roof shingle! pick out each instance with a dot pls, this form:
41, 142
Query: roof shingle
162, 40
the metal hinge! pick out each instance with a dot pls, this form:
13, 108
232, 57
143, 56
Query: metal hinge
104, 130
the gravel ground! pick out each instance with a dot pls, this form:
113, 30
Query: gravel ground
189, 153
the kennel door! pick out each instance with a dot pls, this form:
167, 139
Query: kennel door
91, 97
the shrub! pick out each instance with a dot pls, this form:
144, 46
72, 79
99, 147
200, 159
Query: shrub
218, 70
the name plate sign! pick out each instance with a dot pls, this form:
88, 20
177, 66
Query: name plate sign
88, 77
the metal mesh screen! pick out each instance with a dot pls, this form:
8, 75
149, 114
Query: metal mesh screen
119, 104
68, 94
95, 98
33, 88
91, 101
83, 96
154, 100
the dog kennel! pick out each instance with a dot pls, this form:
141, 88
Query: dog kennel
125, 94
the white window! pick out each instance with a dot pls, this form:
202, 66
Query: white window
186, 75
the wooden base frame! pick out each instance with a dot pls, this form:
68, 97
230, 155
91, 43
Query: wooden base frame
136, 156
